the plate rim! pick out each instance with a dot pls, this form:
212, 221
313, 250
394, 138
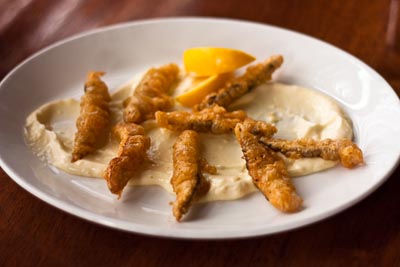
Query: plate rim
183, 233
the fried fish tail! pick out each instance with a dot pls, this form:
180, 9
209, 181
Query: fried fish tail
94, 119
131, 154
267, 170
187, 181
234, 89
348, 153
151, 94
207, 167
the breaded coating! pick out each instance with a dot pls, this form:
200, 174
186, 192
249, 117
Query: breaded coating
237, 87
214, 120
93, 122
267, 170
187, 181
151, 94
131, 154
343, 150
260, 128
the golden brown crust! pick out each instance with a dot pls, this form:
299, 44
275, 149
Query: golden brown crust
187, 181
237, 87
131, 154
214, 120
151, 94
267, 170
94, 120
348, 153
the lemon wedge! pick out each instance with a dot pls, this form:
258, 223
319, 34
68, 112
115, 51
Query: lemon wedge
208, 61
199, 88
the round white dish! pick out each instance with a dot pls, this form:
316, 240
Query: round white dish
123, 50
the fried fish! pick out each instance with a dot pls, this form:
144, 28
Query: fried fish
214, 120
151, 94
187, 180
348, 153
267, 170
131, 154
237, 87
94, 119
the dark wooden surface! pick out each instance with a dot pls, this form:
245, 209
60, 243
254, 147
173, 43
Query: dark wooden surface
33, 233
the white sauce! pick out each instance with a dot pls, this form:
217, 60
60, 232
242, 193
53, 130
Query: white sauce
297, 112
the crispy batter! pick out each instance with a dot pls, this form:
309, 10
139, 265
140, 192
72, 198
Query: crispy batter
94, 120
151, 94
187, 181
267, 170
343, 150
131, 154
214, 120
237, 87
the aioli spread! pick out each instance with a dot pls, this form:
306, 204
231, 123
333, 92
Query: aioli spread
296, 111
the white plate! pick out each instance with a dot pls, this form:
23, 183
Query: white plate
122, 50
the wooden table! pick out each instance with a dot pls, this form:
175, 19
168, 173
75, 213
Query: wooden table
33, 233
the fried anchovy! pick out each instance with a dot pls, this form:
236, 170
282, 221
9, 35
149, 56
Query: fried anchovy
237, 87
187, 180
267, 170
151, 94
94, 119
213, 120
343, 150
131, 154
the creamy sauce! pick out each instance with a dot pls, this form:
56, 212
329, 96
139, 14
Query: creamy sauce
297, 112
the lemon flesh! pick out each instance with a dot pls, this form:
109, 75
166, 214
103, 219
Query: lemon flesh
200, 88
209, 61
